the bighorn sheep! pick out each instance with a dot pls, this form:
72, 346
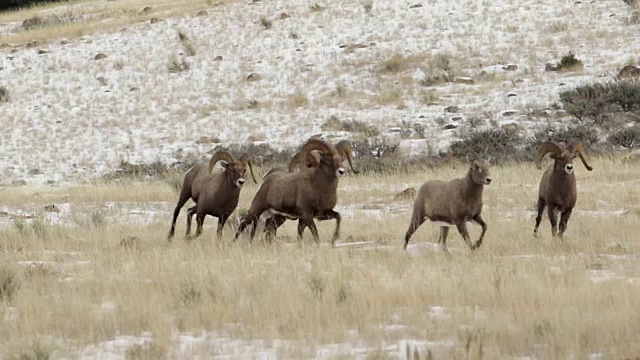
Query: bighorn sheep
557, 191
304, 195
215, 192
272, 223
452, 203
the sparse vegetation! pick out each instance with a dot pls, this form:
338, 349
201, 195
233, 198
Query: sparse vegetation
177, 65
498, 144
587, 135
368, 6
597, 102
316, 7
298, 100
4, 94
146, 351
570, 62
628, 138
38, 349
265, 23
340, 91
335, 124
189, 49
439, 71
393, 65
9, 283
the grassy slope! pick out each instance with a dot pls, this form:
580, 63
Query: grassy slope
516, 296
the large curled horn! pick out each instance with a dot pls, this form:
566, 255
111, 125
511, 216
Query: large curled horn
219, 155
548, 147
247, 160
295, 161
345, 150
317, 144
578, 149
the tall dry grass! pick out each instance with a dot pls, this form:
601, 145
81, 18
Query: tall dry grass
516, 296
97, 16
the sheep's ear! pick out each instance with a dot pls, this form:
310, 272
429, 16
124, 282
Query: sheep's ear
224, 164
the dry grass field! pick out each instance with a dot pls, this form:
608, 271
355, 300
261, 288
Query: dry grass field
71, 287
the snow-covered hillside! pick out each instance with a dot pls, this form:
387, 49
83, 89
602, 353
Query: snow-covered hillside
71, 117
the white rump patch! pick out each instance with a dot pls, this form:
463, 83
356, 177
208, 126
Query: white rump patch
272, 212
441, 223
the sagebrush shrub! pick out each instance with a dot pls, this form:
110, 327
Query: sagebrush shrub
570, 62
587, 135
595, 101
4, 94
628, 138
498, 144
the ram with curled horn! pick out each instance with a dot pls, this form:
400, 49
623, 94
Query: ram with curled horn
343, 148
215, 191
558, 189
304, 195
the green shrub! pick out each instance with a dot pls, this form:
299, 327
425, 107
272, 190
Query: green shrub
589, 102
588, 136
628, 138
626, 94
499, 144
570, 62
597, 102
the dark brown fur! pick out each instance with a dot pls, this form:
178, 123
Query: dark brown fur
304, 195
558, 191
455, 202
213, 190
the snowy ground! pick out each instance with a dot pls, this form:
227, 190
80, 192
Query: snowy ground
71, 118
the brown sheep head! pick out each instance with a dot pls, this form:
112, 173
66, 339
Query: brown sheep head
234, 169
479, 171
324, 155
563, 157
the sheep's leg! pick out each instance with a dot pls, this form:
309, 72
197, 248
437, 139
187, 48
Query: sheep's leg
478, 220
444, 232
271, 226
199, 222
553, 218
308, 221
328, 215
462, 229
564, 219
221, 221
417, 219
251, 218
192, 211
301, 227
541, 205
184, 197
331, 214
